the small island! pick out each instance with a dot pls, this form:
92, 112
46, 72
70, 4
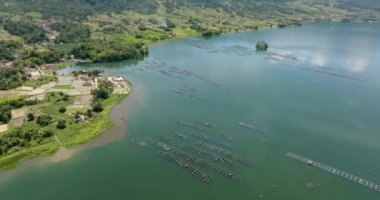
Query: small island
261, 46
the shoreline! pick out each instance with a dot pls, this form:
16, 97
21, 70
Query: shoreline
116, 116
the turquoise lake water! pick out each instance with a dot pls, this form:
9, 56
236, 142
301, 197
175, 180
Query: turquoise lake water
316, 92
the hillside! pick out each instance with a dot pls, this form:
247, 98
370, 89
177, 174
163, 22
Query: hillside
83, 8
36, 32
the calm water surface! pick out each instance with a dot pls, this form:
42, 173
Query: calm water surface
315, 93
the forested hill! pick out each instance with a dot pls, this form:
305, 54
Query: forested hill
83, 8
76, 8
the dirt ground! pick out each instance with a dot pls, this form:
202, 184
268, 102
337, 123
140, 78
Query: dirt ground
3, 128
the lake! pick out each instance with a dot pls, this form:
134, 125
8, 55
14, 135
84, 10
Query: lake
315, 92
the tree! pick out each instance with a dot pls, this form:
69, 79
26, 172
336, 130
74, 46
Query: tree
44, 120
8, 49
5, 114
30, 117
97, 106
25, 29
62, 110
101, 93
11, 77
89, 113
47, 133
61, 124
65, 97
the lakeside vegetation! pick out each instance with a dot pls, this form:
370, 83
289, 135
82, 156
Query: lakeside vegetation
48, 124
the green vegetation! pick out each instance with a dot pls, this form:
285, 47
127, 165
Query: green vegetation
8, 49
63, 87
76, 9
49, 118
108, 50
7, 106
46, 147
61, 124
103, 91
62, 110
26, 29
79, 132
11, 78
44, 120
30, 117
38, 82
70, 32
91, 73
22, 138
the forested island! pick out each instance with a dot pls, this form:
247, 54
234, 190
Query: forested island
37, 38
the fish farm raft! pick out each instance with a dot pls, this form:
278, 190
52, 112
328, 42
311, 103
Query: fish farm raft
334, 171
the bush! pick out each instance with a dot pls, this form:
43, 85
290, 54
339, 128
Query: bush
30, 117
62, 110
100, 93
89, 113
97, 106
61, 124
47, 133
44, 120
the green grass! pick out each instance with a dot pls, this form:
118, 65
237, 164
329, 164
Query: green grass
82, 132
47, 146
186, 32
74, 110
40, 81
14, 159
53, 107
4, 35
6, 98
63, 87
151, 35
126, 38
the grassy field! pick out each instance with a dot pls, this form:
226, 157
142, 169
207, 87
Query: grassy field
63, 87
40, 81
7, 98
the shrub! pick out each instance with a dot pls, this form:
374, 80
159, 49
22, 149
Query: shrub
61, 124
62, 110
44, 120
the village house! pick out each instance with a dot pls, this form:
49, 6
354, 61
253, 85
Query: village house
117, 81
78, 117
50, 65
